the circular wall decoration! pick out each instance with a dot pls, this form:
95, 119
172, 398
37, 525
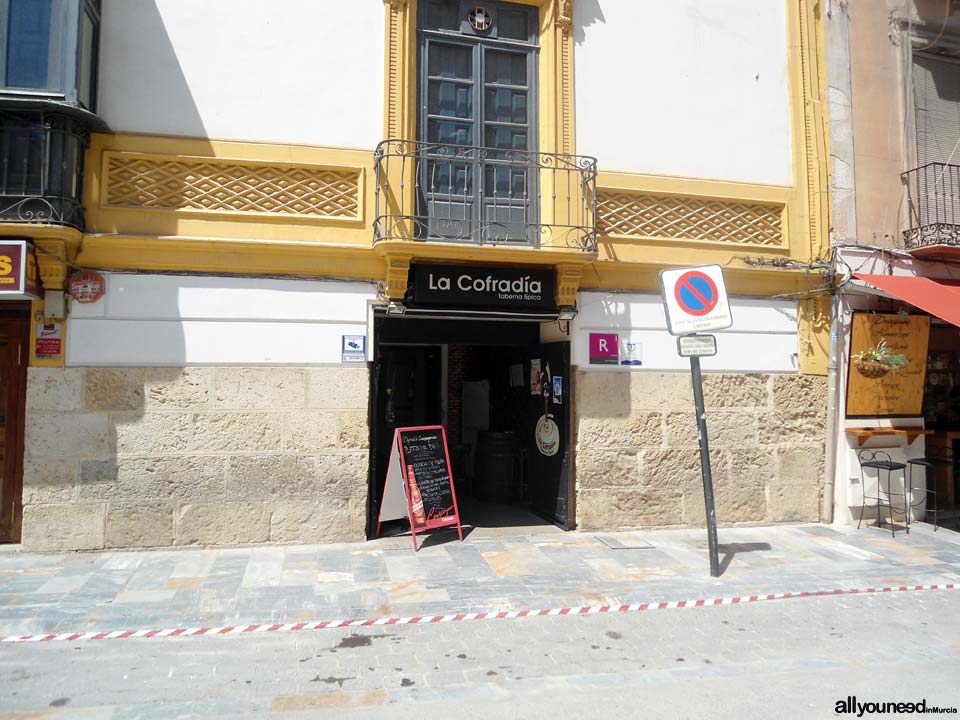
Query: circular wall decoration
480, 19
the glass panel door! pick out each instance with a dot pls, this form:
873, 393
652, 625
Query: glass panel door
509, 169
478, 166
448, 164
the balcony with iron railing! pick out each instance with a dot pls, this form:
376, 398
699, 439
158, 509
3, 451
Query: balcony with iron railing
41, 167
486, 196
933, 205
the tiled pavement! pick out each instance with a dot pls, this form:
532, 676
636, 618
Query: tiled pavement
272, 584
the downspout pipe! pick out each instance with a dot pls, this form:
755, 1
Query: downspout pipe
830, 451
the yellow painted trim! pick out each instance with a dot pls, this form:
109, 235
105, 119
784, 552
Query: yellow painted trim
694, 187
468, 252
57, 247
809, 132
400, 70
360, 171
52, 261
232, 256
777, 197
34, 230
814, 335
811, 159
740, 280
219, 224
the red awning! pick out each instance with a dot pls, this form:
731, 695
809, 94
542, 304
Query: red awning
937, 297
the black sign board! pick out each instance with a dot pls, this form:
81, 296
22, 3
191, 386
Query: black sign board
425, 455
419, 485
483, 287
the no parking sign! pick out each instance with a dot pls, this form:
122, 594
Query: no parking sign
695, 300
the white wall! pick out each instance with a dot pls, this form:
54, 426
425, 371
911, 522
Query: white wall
763, 337
685, 87
297, 71
176, 321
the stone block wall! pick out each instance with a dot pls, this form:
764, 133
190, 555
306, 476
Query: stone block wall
154, 457
638, 460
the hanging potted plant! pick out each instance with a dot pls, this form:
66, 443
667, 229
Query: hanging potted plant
878, 360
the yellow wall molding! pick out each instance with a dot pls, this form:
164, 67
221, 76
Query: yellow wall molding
245, 257
807, 84
469, 252
52, 262
645, 277
71, 237
190, 184
637, 214
814, 334
168, 186
400, 69
647, 216
568, 283
398, 275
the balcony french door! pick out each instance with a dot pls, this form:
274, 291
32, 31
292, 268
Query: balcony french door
478, 173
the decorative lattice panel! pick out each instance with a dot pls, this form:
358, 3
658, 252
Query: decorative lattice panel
682, 218
224, 186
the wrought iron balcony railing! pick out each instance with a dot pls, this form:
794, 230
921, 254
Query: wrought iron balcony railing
933, 196
460, 193
41, 166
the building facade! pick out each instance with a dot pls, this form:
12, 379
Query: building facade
305, 224
893, 76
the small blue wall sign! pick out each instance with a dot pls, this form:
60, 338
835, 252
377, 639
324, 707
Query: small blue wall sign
354, 348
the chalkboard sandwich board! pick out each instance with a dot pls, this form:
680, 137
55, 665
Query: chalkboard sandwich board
419, 484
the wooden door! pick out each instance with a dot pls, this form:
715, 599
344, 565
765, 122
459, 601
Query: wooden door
14, 338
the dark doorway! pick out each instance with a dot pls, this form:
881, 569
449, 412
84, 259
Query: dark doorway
14, 357
507, 422
406, 392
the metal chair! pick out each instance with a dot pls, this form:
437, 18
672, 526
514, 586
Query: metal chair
928, 463
880, 461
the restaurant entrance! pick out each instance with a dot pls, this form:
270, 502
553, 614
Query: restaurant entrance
503, 397
14, 342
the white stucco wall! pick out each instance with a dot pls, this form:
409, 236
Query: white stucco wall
297, 71
181, 320
685, 87
763, 337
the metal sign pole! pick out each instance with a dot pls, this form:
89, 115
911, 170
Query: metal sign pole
705, 466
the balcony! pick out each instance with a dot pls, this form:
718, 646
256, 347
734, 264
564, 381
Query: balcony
933, 197
484, 196
41, 165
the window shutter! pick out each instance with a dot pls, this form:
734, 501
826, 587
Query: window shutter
936, 92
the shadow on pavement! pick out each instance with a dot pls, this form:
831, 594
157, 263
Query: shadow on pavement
729, 550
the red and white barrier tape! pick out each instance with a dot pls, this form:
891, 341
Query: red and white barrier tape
460, 617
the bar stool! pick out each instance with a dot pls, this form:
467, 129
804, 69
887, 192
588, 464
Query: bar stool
879, 460
928, 463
